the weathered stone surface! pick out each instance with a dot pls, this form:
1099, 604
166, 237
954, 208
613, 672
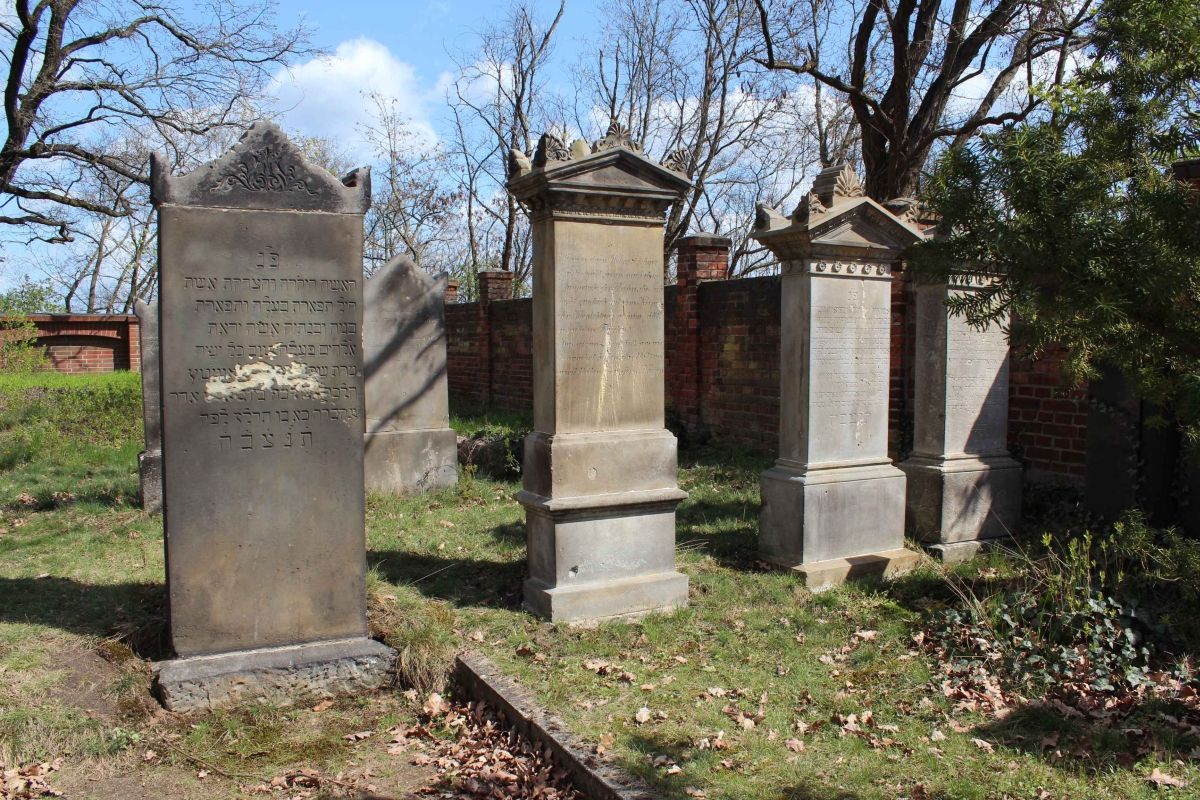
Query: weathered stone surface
262, 415
834, 494
962, 484
321, 669
264, 171
409, 444
599, 471
150, 459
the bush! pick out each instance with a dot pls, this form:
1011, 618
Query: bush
1088, 614
19, 352
40, 411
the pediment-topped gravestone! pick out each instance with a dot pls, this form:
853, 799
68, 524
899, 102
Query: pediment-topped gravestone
599, 473
260, 315
833, 504
964, 490
410, 446
150, 459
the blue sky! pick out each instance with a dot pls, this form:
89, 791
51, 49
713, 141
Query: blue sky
405, 50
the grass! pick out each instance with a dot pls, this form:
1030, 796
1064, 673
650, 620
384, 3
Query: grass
81, 583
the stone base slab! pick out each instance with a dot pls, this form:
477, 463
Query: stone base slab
317, 669
958, 552
629, 598
150, 481
962, 500
816, 514
407, 462
589, 464
820, 575
602, 556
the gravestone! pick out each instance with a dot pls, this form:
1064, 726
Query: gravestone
150, 459
964, 490
409, 446
833, 504
260, 310
599, 473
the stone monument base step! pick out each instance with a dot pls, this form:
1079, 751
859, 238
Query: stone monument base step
316, 669
620, 598
406, 462
821, 575
958, 552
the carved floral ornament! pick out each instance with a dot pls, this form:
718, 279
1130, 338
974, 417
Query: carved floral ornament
850, 268
551, 149
270, 168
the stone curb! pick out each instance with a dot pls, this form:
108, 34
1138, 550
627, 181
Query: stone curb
482, 680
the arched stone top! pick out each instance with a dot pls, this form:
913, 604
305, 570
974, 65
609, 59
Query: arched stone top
264, 171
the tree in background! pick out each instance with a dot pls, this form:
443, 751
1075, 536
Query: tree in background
682, 79
1096, 246
19, 352
414, 209
84, 73
498, 105
922, 74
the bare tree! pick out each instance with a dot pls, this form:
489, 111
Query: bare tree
918, 74
413, 212
497, 101
85, 72
682, 78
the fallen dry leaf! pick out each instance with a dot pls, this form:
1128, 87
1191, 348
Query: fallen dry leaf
324, 705
1159, 778
642, 716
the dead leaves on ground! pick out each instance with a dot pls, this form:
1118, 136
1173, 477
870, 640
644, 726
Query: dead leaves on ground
483, 759
20, 783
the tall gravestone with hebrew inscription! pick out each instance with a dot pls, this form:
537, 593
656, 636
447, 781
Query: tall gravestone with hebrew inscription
833, 504
260, 314
964, 490
599, 473
410, 446
150, 459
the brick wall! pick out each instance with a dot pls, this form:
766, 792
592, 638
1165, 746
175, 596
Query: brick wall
78, 343
722, 366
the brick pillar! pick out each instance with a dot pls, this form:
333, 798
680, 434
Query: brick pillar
134, 342
1188, 171
451, 292
701, 257
493, 285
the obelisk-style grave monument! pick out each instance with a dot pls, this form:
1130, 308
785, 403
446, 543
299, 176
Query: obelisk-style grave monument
260, 313
833, 504
964, 490
150, 459
599, 473
410, 446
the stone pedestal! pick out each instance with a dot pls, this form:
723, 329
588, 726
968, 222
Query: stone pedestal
833, 504
409, 446
964, 491
150, 459
260, 312
599, 476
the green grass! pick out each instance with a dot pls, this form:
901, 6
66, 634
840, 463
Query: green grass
84, 576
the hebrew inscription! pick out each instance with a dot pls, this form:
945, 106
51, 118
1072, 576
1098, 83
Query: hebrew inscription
263, 423
609, 340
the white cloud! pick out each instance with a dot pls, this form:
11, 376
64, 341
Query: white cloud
327, 96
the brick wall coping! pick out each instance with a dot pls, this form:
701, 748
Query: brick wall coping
707, 240
79, 317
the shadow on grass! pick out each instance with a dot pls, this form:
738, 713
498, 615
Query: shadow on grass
464, 582
134, 613
1058, 734
682, 752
